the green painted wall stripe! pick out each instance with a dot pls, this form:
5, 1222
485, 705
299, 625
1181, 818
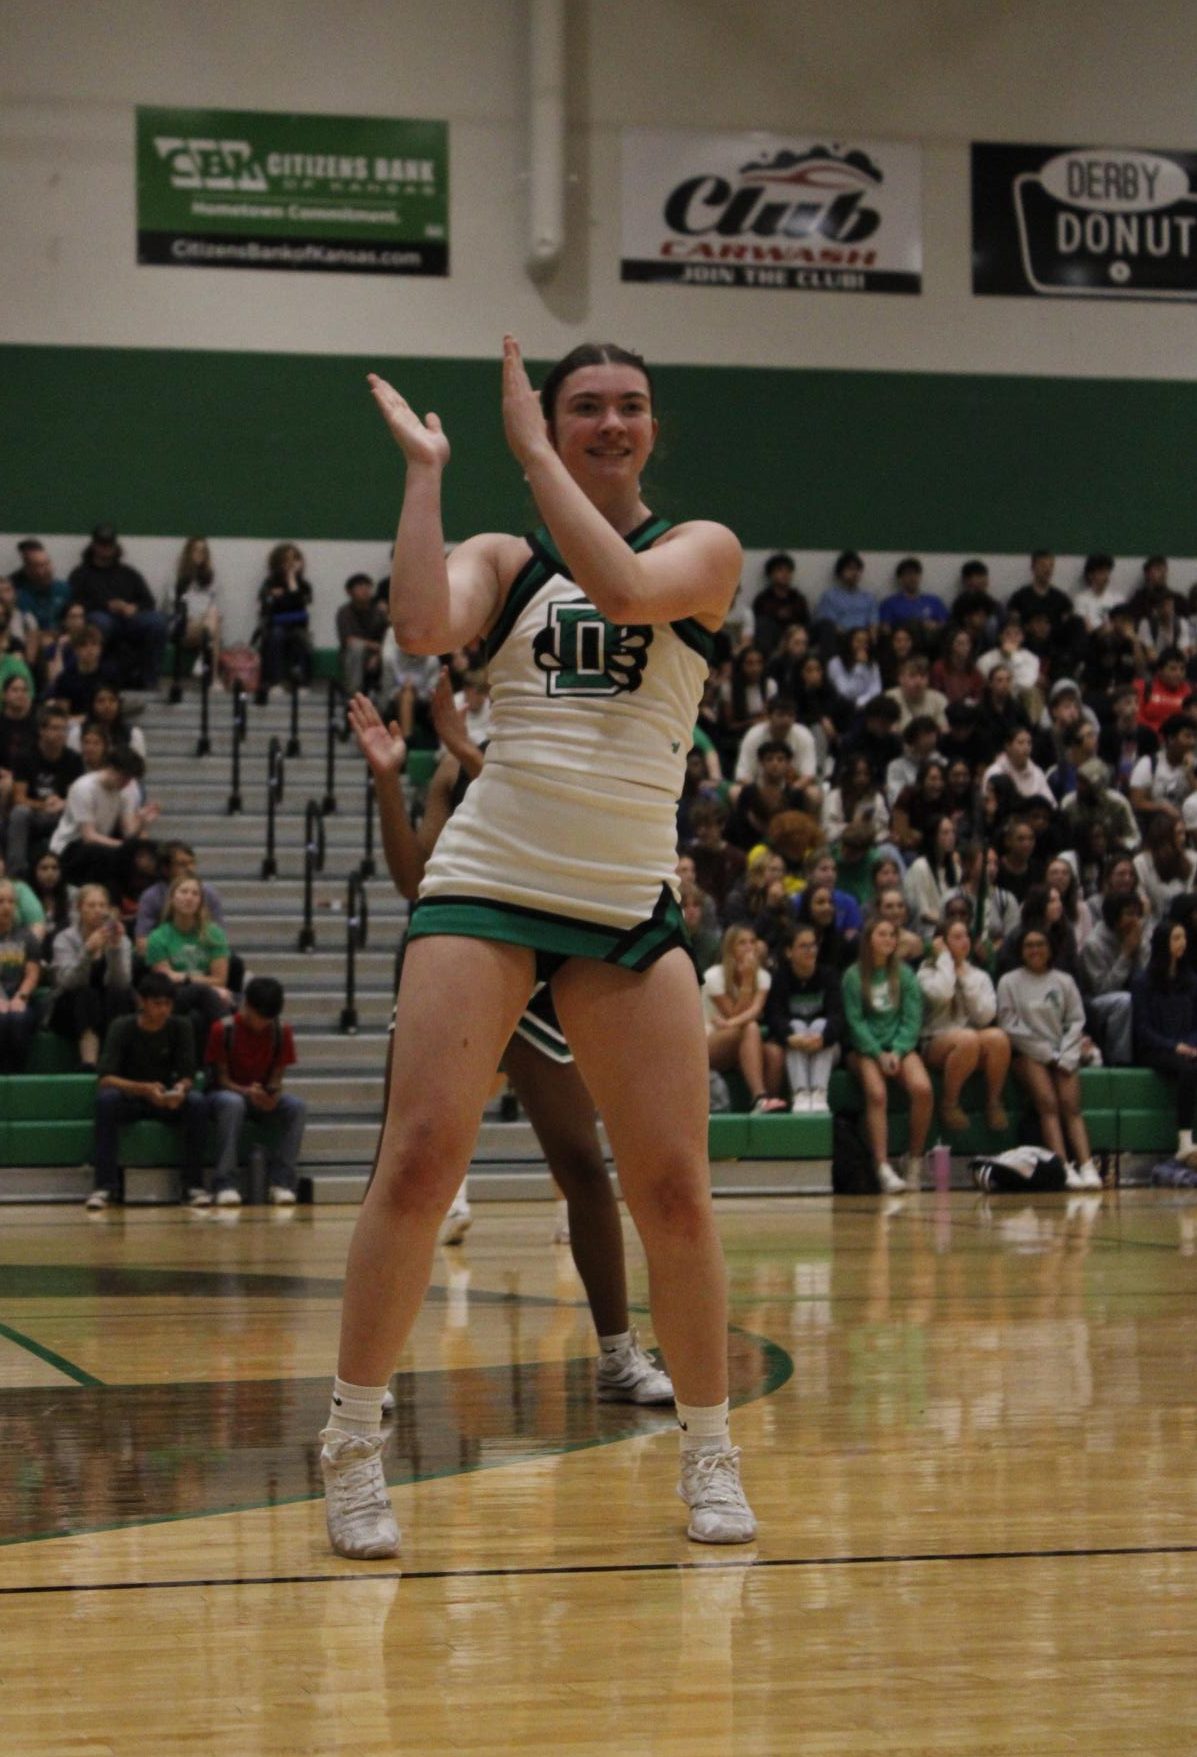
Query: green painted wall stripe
49, 1356
166, 442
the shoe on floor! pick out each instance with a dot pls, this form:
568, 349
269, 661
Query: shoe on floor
227, 1198
800, 1104
887, 1177
631, 1375
97, 1201
361, 1523
710, 1486
914, 1170
1090, 1176
388, 1401
199, 1198
818, 1100
955, 1118
282, 1196
454, 1226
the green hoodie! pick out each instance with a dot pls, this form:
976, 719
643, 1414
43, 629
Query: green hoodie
888, 1028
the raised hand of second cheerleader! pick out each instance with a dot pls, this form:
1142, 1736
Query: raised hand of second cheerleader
384, 750
421, 442
523, 418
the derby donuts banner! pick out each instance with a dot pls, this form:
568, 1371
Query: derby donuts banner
771, 211
1084, 222
252, 189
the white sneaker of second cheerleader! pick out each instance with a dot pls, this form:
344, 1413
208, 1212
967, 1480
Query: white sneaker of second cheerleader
631, 1375
455, 1225
711, 1488
361, 1524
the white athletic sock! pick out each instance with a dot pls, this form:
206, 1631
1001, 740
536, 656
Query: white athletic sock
613, 1344
356, 1409
704, 1429
1185, 1143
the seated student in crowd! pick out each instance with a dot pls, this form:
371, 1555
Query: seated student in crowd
702, 925
1163, 623
1060, 875
362, 626
779, 605
20, 972
919, 807
856, 857
960, 795
41, 597
103, 812
884, 1012
846, 604
893, 907
874, 736
1166, 691
92, 968
1114, 953
1041, 1011
804, 1014
248, 1055
1079, 748
192, 605
785, 665
734, 992
192, 952
50, 900
1164, 996
1001, 915
818, 706
284, 600
1040, 593
176, 860
1124, 739
1166, 867
18, 728
909, 604
1012, 652
914, 694
974, 608
762, 902
717, 864
41, 781
409, 680
999, 713
959, 1033
774, 790
1160, 783
472, 701
955, 674
815, 908
1095, 802
1018, 867
107, 711
778, 727
932, 877
147, 1071
82, 674
743, 698
1027, 778
919, 738
962, 740
1096, 598
120, 604
855, 799
853, 672
820, 870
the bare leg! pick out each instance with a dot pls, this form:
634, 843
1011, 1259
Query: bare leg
561, 1112
876, 1096
640, 1047
1068, 1089
751, 1058
957, 1053
913, 1076
1039, 1083
458, 1004
995, 1059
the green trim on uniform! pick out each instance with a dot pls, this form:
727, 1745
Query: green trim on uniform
695, 636
541, 931
523, 588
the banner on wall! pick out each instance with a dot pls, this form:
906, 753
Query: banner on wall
1084, 222
771, 211
256, 189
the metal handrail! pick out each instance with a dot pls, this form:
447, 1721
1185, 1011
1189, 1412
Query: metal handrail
240, 731
313, 862
203, 744
366, 865
293, 745
178, 628
357, 931
333, 731
275, 770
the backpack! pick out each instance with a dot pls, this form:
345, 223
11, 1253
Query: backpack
1021, 1169
852, 1170
240, 662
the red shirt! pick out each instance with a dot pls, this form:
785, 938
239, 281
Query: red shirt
253, 1058
1157, 704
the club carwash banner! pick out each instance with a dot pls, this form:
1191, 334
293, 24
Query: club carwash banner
771, 211
255, 189
1084, 222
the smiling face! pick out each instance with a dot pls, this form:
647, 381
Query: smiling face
804, 953
1036, 954
883, 940
603, 426
186, 899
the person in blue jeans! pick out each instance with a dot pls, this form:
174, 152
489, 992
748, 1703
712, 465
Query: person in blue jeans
147, 1072
246, 1059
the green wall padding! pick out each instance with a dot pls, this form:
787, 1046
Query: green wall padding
166, 442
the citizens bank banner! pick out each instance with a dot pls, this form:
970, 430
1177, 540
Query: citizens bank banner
251, 189
1084, 222
771, 211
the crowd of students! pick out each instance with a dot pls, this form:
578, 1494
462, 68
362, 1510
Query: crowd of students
957, 836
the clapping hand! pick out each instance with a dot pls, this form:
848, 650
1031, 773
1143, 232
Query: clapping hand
421, 442
523, 419
383, 748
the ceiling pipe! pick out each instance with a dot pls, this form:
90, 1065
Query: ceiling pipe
546, 136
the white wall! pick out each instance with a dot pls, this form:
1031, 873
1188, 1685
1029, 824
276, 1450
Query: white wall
939, 71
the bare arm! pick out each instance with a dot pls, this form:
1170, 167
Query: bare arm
386, 753
693, 571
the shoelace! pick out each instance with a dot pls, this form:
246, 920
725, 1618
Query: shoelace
719, 1478
360, 1491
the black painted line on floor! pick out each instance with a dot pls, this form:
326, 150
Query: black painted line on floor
567, 1570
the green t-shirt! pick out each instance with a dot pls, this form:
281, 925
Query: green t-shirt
187, 951
29, 911
133, 1054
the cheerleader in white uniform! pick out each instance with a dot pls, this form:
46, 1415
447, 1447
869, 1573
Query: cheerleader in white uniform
558, 867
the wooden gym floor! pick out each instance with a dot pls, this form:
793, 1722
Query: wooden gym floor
968, 1427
